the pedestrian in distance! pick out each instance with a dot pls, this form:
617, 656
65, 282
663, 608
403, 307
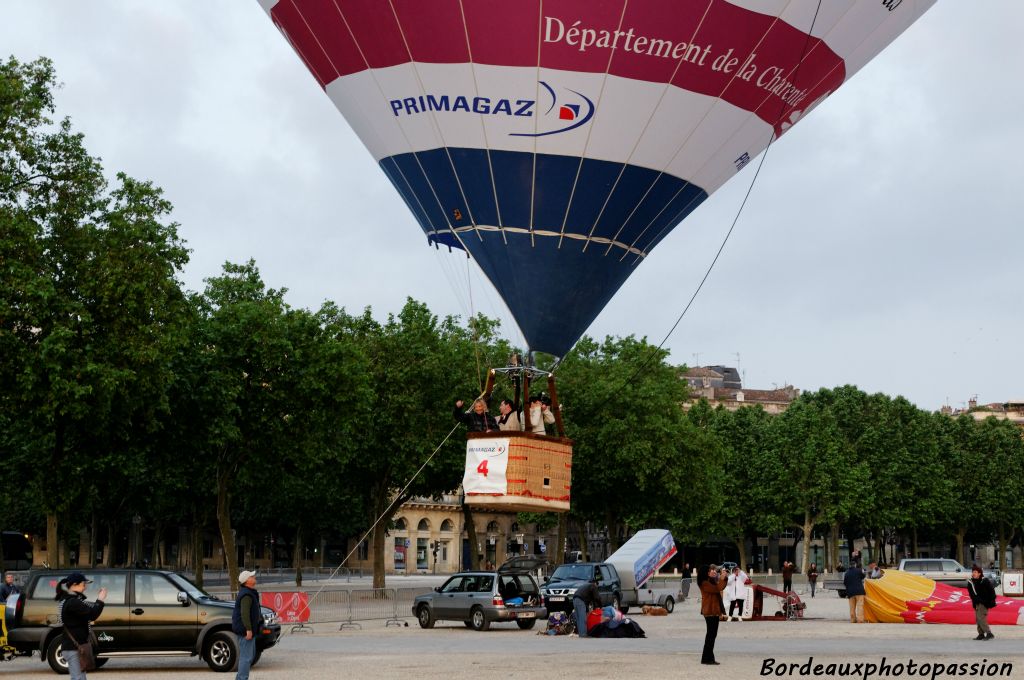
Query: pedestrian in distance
477, 419
983, 598
711, 585
853, 581
736, 592
245, 622
787, 576
8, 588
585, 598
76, 615
812, 577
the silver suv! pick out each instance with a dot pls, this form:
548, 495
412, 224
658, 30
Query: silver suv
941, 570
480, 598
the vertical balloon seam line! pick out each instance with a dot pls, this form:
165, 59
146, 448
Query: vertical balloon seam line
437, 129
739, 212
298, 52
536, 122
590, 129
687, 181
412, 148
668, 86
433, 118
483, 127
752, 114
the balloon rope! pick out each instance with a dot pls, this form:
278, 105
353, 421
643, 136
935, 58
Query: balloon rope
739, 212
377, 521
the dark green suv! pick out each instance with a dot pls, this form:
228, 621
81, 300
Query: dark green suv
147, 612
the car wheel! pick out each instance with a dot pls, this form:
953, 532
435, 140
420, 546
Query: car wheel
526, 624
222, 652
54, 657
670, 605
467, 624
425, 617
478, 620
256, 656
100, 662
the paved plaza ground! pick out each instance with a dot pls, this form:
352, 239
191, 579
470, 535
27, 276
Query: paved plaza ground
671, 650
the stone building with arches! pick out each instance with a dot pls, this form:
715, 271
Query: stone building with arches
428, 536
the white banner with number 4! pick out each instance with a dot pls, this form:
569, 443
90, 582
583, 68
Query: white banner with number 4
486, 463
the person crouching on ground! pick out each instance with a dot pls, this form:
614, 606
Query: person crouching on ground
711, 585
75, 614
983, 598
586, 596
246, 620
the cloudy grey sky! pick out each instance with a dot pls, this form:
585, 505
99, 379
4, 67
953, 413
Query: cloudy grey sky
881, 245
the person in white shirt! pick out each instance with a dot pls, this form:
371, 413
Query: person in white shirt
736, 592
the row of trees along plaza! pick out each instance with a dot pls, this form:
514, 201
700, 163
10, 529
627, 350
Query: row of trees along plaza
124, 396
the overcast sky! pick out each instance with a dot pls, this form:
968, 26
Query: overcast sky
881, 245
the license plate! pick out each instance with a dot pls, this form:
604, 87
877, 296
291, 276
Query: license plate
527, 615
556, 598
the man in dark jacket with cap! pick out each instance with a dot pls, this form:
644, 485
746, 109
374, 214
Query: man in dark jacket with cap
8, 588
246, 621
853, 581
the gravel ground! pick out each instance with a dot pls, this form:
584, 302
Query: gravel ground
671, 650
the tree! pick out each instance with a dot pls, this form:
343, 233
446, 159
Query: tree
92, 300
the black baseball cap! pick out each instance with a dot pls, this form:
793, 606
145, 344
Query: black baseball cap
76, 577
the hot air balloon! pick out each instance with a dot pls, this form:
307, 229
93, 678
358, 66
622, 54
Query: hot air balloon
559, 141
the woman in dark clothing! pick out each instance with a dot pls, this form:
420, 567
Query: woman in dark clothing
76, 615
711, 585
983, 597
478, 419
812, 577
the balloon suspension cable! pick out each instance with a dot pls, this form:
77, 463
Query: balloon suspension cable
646, 362
309, 603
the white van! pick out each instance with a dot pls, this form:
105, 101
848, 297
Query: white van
941, 570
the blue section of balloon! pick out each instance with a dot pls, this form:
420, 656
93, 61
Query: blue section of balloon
588, 221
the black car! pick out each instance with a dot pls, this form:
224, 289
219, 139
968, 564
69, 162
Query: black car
567, 578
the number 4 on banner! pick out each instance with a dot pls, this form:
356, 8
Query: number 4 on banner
482, 468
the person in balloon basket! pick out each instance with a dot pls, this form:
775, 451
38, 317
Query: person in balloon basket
983, 598
711, 584
76, 614
476, 419
540, 413
246, 620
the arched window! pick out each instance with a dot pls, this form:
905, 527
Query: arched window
400, 524
492, 527
424, 525
447, 525
515, 528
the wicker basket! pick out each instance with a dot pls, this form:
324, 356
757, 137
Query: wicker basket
539, 475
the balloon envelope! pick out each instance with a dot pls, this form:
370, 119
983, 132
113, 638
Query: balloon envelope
558, 142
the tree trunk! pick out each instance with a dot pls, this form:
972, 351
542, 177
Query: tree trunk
377, 544
808, 529
1003, 541
109, 551
154, 556
741, 546
960, 533
93, 543
474, 557
52, 547
581, 531
297, 556
879, 546
197, 552
557, 553
835, 546
227, 537
913, 544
